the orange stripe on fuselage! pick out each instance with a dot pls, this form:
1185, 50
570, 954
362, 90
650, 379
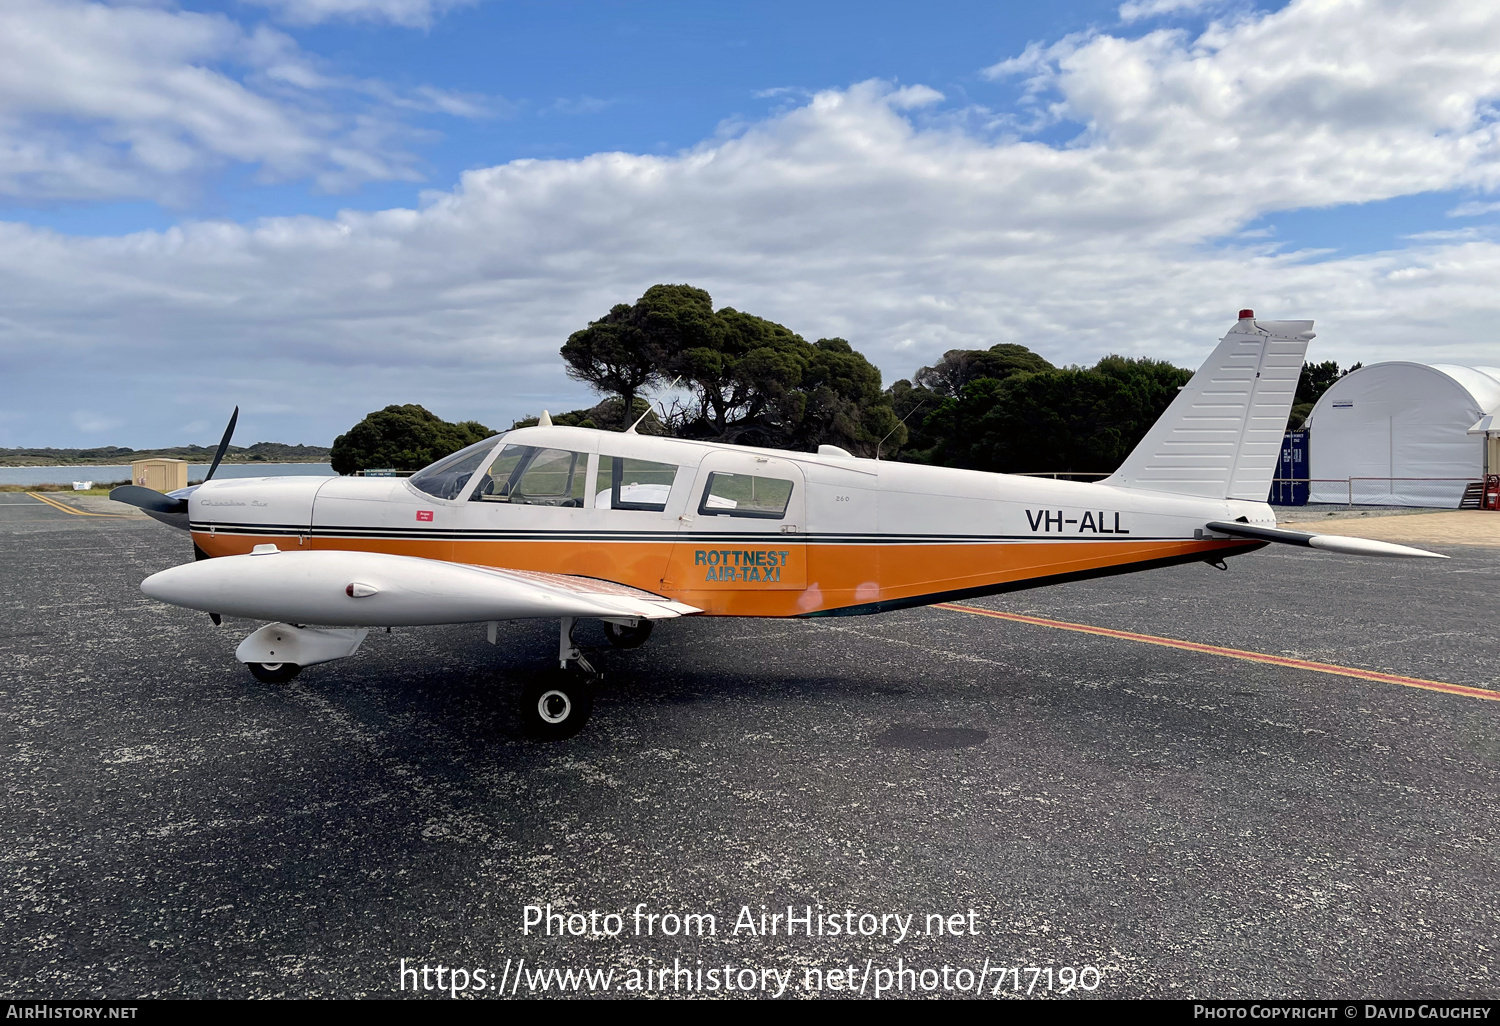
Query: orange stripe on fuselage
838, 576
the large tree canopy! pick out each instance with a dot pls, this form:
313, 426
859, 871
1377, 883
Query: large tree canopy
1068, 419
753, 381
402, 438
958, 367
632, 346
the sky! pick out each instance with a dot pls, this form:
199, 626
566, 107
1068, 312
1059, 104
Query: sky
315, 208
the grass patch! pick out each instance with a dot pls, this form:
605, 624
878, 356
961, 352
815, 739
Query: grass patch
98, 489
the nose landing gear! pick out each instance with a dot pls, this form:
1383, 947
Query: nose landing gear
557, 705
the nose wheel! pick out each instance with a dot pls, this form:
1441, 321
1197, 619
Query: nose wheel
557, 704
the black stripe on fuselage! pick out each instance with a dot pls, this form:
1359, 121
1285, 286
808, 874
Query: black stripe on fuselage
443, 534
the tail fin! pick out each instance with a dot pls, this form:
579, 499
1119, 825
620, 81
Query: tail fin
1221, 437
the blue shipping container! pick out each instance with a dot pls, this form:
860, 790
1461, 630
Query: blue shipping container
1290, 486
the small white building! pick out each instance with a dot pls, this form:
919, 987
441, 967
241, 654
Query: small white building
1397, 434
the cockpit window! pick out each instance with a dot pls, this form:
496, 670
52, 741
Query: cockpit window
446, 478
535, 476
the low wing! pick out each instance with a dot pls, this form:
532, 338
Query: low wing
1327, 542
375, 589
632, 601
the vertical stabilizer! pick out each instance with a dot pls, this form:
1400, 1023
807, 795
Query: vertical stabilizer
1221, 437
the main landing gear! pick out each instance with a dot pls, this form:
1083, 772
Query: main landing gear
558, 704
278, 651
273, 673
627, 634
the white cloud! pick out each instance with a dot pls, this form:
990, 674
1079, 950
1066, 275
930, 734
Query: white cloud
843, 216
1136, 10
913, 97
1473, 208
100, 102
410, 13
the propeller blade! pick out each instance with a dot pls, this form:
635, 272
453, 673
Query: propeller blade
223, 443
148, 499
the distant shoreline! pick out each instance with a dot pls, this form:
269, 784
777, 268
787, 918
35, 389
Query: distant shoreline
39, 456
7, 461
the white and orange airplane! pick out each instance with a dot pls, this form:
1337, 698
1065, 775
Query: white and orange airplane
567, 523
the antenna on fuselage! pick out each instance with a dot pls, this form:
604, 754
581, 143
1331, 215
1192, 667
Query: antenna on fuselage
545, 420
893, 430
631, 429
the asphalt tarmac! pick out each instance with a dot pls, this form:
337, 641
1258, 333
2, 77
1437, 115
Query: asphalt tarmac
1187, 825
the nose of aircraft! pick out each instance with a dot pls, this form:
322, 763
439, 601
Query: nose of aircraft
262, 506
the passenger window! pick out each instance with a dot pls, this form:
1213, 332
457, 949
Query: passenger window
744, 495
625, 483
532, 476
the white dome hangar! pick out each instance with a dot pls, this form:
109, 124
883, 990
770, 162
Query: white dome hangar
1397, 434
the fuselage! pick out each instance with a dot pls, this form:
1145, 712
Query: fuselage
734, 531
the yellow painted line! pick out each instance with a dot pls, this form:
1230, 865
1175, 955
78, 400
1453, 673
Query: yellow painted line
76, 512
1233, 653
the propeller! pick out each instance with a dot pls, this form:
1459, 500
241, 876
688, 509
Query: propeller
148, 499
171, 507
223, 444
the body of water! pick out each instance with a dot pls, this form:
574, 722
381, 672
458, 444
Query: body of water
101, 475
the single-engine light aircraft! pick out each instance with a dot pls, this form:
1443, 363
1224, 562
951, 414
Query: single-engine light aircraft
567, 523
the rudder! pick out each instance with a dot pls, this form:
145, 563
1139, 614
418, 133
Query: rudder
1221, 437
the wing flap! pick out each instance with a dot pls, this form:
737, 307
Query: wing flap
645, 604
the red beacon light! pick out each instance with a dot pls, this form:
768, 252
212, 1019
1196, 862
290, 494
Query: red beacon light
1247, 315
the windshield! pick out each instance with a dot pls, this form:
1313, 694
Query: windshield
446, 478
531, 475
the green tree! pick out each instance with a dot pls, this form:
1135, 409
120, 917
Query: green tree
1063, 419
753, 381
401, 437
839, 401
626, 350
605, 414
914, 401
958, 367
1316, 379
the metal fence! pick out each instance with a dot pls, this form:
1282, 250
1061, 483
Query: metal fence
1352, 491
1382, 491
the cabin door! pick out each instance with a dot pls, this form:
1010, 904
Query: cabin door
744, 528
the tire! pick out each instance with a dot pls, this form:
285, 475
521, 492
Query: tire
557, 705
621, 636
273, 673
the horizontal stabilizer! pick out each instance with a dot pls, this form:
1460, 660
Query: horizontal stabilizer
376, 589
1326, 542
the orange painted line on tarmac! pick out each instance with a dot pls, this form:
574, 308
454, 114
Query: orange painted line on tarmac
1233, 653
76, 512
